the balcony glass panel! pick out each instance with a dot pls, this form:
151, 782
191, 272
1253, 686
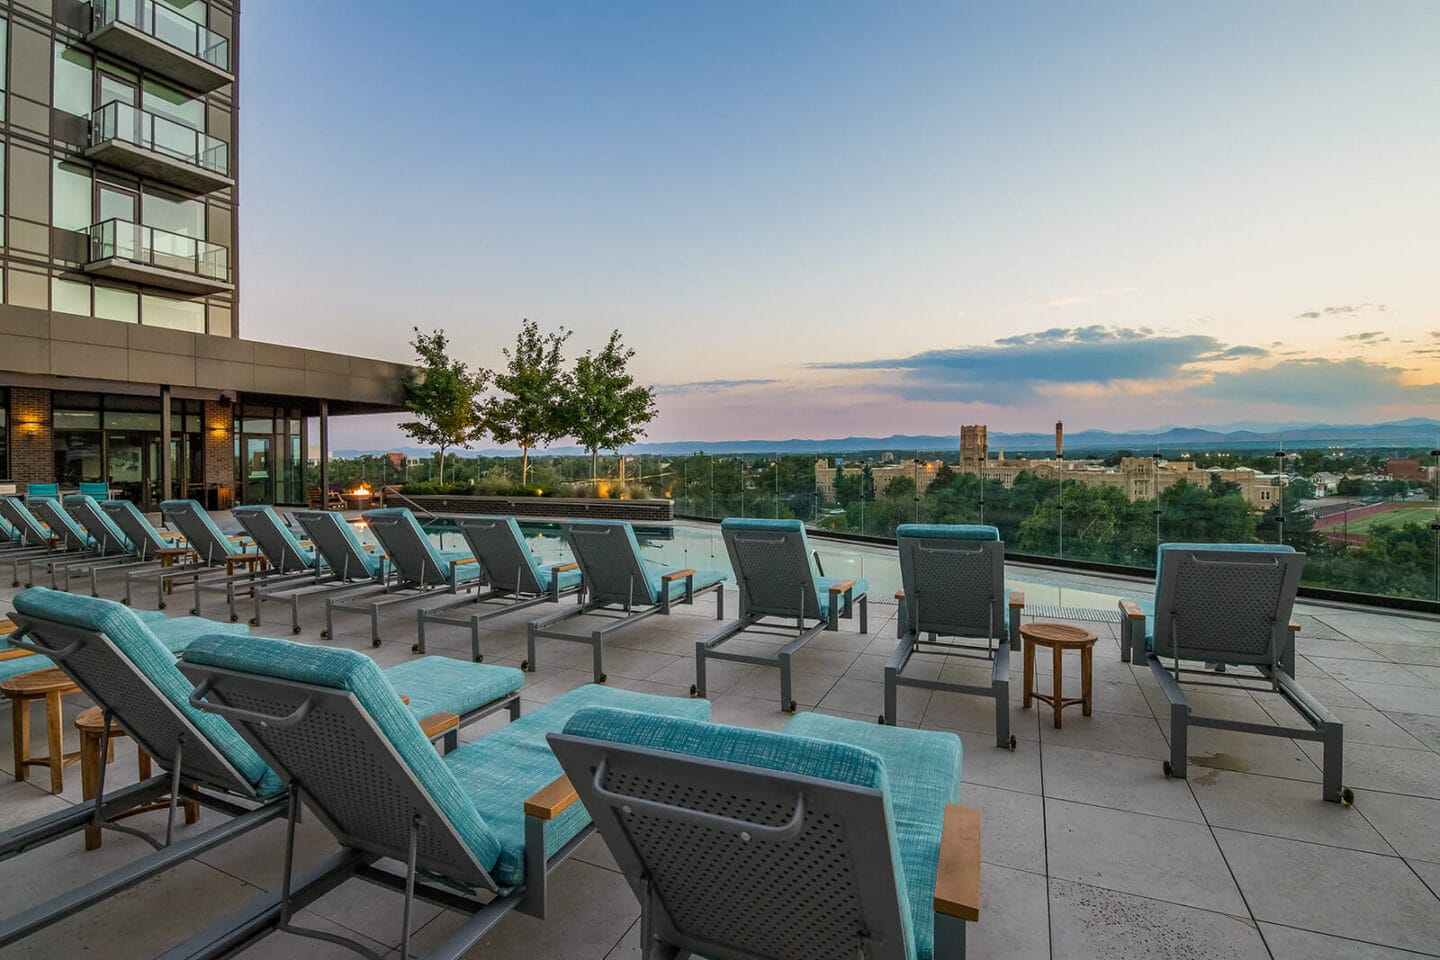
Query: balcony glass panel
168, 26
122, 240
120, 121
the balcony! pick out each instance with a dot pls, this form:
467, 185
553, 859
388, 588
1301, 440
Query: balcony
159, 148
130, 251
162, 40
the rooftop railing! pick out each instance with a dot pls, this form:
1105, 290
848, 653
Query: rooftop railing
137, 243
168, 26
120, 121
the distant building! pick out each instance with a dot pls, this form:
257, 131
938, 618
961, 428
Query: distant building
1140, 478
1407, 468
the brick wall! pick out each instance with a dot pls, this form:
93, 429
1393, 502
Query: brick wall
548, 507
219, 445
32, 457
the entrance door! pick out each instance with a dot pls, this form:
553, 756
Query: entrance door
259, 472
133, 470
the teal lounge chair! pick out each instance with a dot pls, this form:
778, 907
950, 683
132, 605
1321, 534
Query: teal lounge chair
415, 569
620, 585
41, 491
346, 566
114, 549
121, 663
953, 586
151, 543
478, 830
517, 579
287, 561
99, 491
1227, 605
836, 838
775, 572
32, 540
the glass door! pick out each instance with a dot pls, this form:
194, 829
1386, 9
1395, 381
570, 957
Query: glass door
259, 475
133, 461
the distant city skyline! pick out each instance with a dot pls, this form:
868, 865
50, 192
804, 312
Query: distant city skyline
832, 219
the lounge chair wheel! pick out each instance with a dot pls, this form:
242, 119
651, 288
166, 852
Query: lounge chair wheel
694, 690
479, 658
194, 612
374, 643
125, 602
601, 679
234, 618
1347, 797
1169, 770
294, 629
414, 648
14, 583
29, 585
525, 665
324, 634
1013, 743
256, 623
161, 606
95, 595
880, 719
792, 707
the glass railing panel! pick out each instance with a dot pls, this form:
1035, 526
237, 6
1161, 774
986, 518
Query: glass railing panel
120, 239
168, 26
121, 121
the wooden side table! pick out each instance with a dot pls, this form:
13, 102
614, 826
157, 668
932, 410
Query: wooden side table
47, 685
1059, 637
167, 557
90, 724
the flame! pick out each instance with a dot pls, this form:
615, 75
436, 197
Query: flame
361, 491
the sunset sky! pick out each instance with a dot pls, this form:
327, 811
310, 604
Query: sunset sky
829, 219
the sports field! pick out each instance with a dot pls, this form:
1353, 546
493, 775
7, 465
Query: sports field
1399, 515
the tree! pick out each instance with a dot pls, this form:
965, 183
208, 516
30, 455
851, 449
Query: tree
608, 410
445, 395
532, 408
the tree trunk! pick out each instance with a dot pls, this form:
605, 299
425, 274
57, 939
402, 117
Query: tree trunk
524, 465
442, 464
594, 463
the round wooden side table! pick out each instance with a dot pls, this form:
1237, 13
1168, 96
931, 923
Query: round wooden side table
47, 685
1059, 637
91, 724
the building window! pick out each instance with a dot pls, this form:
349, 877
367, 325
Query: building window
73, 81
67, 296
115, 304
173, 314
4, 419
72, 199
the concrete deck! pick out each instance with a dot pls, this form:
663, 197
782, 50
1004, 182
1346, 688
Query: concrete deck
1089, 851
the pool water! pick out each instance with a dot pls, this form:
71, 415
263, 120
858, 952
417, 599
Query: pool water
702, 547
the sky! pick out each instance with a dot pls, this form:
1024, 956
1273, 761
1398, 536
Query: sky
830, 219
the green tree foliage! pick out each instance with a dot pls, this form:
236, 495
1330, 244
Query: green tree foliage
608, 409
445, 396
532, 408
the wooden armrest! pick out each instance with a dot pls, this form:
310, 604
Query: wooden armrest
404, 699
841, 587
236, 539
169, 535
1132, 610
173, 551
547, 804
1294, 627
957, 875
7, 626
1017, 599
462, 562
899, 595
438, 723
14, 654
564, 567
674, 575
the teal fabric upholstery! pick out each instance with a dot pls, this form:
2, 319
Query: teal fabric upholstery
442, 685
342, 669
42, 491
822, 584
63, 525
925, 778
100, 491
1150, 606
141, 522
7, 530
465, 572
370, 561
438, 559
703, 578
923, 769
500, 770
947, 531
22, 665
306, 555
151, 657
177, 633
568, 578
25, 523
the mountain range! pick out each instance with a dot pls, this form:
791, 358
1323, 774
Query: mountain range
1411, 432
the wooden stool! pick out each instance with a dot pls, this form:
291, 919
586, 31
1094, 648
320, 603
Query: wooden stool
48, 685
255, 563
167, 557
91, 724
1058, 637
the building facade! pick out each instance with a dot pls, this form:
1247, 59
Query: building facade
121, 356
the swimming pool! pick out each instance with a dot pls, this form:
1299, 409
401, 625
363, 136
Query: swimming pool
701, 546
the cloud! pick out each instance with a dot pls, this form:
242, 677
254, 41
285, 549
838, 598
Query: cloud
1367, 335
1315, 382
1312, 315
1065, 301
1235, 353
1013, 368
1348, 308
696, 386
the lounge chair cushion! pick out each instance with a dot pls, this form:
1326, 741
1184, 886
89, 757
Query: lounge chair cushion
306, 554
177, 633
350, 670
923, 768
1150, 606
440, 559
20, 665
202, 517
357, 552
101, 490
823, 585
442, 685
94, 515
947, 531
703, 579
42, 491
137, 642
463, 573
77, 537
500, 770
569, 579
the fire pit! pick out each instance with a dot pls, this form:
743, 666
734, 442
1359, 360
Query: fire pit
358, 499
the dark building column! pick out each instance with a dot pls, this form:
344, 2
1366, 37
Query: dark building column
324, 453
167, 463
32, 442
